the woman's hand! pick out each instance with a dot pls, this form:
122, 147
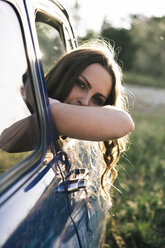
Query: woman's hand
90, 123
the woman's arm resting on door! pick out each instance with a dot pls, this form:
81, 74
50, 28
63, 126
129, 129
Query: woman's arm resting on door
90, 123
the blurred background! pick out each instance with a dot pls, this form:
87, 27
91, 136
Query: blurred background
136, 30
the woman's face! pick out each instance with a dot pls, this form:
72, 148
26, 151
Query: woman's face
92, 87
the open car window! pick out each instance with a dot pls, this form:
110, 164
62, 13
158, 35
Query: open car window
19, 128
51, 42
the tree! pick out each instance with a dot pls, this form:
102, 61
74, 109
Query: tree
90, 34
122, 42
149, 36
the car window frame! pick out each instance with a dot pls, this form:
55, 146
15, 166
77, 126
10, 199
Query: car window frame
18, 171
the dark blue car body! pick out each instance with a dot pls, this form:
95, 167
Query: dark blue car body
44, 200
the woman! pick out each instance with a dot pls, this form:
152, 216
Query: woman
87, 102
88, 86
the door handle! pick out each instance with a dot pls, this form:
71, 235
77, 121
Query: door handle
75, 180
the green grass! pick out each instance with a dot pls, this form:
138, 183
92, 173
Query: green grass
137, 219
143, 80
7, 160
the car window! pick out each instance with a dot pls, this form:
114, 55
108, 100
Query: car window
18, 126
50, 40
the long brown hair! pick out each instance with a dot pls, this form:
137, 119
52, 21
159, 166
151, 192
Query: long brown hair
62, 77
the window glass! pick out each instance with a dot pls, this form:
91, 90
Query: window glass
18, 125
50, 42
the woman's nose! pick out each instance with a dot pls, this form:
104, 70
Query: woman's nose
83, 101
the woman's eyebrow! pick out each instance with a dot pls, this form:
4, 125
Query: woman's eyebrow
87, 82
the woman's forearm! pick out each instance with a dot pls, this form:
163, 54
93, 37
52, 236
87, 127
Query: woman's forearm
91, 123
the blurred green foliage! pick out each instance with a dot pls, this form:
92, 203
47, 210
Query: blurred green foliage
51, 46
121, 40
7, 160
133, 78
142, 47
140, 50
138, 214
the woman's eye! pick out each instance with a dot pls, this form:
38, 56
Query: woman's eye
81, 84
99, 101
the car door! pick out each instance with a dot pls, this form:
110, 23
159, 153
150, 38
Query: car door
32, 214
